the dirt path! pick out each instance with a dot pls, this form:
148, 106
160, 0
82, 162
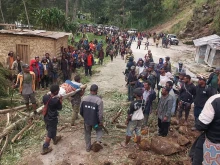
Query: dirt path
109, 78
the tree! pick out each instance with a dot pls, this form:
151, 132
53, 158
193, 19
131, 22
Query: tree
67, 8
3, 19
26, 14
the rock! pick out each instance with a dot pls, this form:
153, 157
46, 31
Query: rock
107, 163
144, 132
139, 162
174, 121
209, 70
145, 144
181, 140
164, 146
183, 130
96, 147
132, 156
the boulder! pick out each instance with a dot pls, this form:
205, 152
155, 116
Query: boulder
180, 139
183, 130
96, 147
145, 145
164, 146
132, 156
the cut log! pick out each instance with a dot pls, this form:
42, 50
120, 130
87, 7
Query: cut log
5, 146
21, 132
117, 116
4, 111
39, 110
23, 113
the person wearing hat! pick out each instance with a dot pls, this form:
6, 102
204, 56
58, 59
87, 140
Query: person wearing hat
132, 79
133, 123
164, 111
26, 83
91, 109
213, 79
203, 93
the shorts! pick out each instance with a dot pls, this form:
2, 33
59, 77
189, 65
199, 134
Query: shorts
134, 126
31, 96
51, 127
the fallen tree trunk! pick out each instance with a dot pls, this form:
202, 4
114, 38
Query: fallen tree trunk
5, 146
4, 111
8, 129
21, 132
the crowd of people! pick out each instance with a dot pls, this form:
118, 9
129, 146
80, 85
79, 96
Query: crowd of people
176, 93
146, 79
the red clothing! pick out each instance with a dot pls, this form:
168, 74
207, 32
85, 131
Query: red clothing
89, 60
35, 69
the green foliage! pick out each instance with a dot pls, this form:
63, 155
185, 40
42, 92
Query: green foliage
216, 22
4, 73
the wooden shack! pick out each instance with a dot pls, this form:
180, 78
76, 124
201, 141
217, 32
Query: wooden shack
203, 48
30, 43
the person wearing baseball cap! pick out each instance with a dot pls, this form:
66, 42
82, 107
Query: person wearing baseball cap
26, 83
203, 93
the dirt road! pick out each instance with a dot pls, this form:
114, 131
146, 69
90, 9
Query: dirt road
109, 78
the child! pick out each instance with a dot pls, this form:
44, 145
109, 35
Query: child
54, 103
134, 124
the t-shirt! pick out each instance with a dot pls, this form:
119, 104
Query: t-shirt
135, 105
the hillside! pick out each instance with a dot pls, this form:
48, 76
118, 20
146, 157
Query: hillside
192, 19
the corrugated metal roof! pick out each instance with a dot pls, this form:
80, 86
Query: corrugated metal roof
39, 33
206, 40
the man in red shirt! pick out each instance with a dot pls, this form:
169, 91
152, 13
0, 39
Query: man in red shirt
88, 62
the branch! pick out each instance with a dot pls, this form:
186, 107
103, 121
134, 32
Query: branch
117, 116
5, 146
21, 132
4, 111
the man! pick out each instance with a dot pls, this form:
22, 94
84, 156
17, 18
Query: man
55, 69
45, 77
101, 56
187, 94
180, 68
88, 62
41, 69
213, 79
35, 68
17, 65
168, 67
139, 44
10, 59
164, 111
26, 83
132, 79
149, 96
140, 67
76, 99
169, 84
152, 76
134, 124
203, 93
54, 104
206, 150
91, 109
47, 56
150, 55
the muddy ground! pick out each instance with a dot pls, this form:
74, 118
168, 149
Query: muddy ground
109, 78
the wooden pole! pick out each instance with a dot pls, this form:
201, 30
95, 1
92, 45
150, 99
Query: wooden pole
4, 111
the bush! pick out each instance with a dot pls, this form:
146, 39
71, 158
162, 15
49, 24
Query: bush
4, 74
